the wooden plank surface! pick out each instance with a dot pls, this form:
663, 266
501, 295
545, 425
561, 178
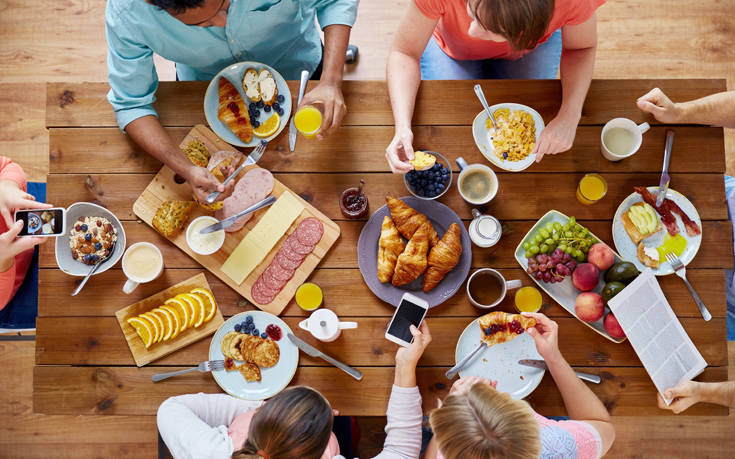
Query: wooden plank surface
180, 103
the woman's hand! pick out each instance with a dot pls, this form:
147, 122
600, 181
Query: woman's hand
463, 385
330, 95
557, 136
545, 334
400, 151
408, 357
12, 198
684, 395
11, 245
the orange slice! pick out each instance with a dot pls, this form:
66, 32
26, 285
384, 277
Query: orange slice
157, 325
184, 298
269, 126
177, 320
183, 312
210, 305
199, 311
144, 328
168, 323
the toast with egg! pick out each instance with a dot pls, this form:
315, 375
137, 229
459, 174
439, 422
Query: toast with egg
646, 258
640, 221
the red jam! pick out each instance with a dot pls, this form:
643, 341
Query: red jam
514, 327
353, 203
274, 332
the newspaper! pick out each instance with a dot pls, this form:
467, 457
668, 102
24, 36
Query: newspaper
665, 349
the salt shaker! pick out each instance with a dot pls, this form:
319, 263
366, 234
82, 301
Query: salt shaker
485, 230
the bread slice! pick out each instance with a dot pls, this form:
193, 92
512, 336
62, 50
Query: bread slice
645, 259
635, 235
268, 87
250, 84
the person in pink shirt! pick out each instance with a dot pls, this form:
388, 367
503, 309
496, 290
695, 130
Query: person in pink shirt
15, 252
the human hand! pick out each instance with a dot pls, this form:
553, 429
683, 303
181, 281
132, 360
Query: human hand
11, 245
409, 356
660, 106
545, 334
330, 96
557, 137
463, 385
684, 395
400, 151
12, 198
203, 183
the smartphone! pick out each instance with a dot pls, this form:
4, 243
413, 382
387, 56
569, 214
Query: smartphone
411, 311
42, 222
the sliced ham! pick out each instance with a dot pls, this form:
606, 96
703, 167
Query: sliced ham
253, 187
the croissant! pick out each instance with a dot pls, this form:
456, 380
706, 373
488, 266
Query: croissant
408, 220
412, 262
443, 257
390, 246
232, 110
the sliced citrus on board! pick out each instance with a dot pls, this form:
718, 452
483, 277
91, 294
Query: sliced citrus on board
184, 298
144, 328
168, 322
199, 311
210, 305
176, 318
182, 309
157, 325
268, 127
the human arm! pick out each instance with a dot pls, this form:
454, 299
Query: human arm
688, 393
714, 110
579, 45
403, 73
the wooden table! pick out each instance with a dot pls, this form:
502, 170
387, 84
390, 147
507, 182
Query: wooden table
83, 364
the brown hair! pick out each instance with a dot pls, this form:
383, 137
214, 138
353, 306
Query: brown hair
522, 22
485, 423
295, 424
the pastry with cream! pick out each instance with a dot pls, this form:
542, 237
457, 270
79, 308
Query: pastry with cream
648, 255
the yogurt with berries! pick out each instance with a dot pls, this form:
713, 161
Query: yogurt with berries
91, 239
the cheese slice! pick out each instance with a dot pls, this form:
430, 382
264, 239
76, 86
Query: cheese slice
256, 245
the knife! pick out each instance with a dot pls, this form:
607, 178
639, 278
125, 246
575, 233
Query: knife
227, 222
541, 364
663, 185
291, 127
314, 352
455, 369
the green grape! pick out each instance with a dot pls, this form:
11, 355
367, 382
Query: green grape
549, 226
544, 248
529, 254
534, 249
578, 227
549, 241
577, 253
555, 237
569, 250
583, 232
537, 239
580, 258
572, 220
557, 226
562, 247
585, 249
544, 234
568, 234
526, 245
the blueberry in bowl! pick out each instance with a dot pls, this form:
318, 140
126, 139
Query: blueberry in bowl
430, 183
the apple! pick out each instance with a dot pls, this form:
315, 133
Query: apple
585, 277
589, 307
612, 326
601, 256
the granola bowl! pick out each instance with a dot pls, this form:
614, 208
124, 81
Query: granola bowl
104, 229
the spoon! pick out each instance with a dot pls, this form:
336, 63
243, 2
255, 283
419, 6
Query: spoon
483, 101
93, 270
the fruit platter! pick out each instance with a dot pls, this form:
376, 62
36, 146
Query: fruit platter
576, 269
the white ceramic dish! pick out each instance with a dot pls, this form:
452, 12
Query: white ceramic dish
63, 253
274, 379
628, 250
500, 362
484, 143
220, 235
234, 73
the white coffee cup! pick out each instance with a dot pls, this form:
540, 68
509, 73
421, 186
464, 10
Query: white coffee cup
637, 130
465, 170
505, 286
142, 263
324, 325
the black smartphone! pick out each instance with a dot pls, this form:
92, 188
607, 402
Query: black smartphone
410, 311
42, 222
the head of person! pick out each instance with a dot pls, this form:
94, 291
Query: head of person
522, 23
295, 424
485, 423
202, 13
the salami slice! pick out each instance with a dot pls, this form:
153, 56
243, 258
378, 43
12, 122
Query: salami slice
285, 262
290, 254
262, 294
309, 231
280, 273
298, 247
270, 281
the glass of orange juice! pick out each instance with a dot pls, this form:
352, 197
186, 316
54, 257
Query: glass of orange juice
528, 299
308, 120
591, 189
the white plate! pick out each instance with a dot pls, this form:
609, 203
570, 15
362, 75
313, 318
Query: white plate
483, 142
234, 73
500, 362
273, 380
629, 251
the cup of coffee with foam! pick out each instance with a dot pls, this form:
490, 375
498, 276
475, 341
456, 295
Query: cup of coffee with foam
486, 287
621, 138
142, 263
477, 183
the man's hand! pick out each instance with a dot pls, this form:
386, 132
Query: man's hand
400, 151
684, 395
545, 334
11, 245
203, 182
330, 96
12, 197
660, 106
557, 137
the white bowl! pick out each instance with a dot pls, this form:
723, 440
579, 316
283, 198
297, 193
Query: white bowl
219, 234
64, 259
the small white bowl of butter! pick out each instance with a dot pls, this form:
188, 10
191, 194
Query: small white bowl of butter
204, 244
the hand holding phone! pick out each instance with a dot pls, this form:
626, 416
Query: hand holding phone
42, 222
11, 245
410, 311
12, 197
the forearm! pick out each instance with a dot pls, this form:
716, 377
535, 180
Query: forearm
581, 403
405, 375
716, 110
403, 73
722, 393
576, 69
336, 39
150, 135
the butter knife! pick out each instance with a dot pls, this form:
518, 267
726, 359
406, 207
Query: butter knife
663, 185
541, 364
227, 222
455, 369
291, 127
314, 352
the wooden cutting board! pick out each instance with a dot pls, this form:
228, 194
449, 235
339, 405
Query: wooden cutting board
145, 356
163, 188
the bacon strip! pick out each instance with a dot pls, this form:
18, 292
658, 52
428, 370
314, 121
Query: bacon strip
667, 217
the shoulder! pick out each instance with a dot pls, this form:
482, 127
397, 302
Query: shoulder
574, 12
130, 12
434, 9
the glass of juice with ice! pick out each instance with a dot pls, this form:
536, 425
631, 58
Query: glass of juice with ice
528, 299
591, 189
308, 120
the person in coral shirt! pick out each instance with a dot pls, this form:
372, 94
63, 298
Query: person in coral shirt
15, 252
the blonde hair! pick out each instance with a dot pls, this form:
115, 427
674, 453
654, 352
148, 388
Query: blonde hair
485, 423
295, 424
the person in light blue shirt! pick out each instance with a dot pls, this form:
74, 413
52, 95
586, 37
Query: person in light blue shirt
204, 36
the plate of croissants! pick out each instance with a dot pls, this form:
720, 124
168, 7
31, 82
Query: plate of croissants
414, 245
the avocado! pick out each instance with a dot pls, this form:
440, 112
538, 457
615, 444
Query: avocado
623, 271
610, 290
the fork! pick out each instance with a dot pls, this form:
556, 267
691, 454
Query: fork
251, 159
204, 367
681, 271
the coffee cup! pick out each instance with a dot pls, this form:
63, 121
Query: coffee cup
621, 138
324, 325
142, 263
486, 287
477, 183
